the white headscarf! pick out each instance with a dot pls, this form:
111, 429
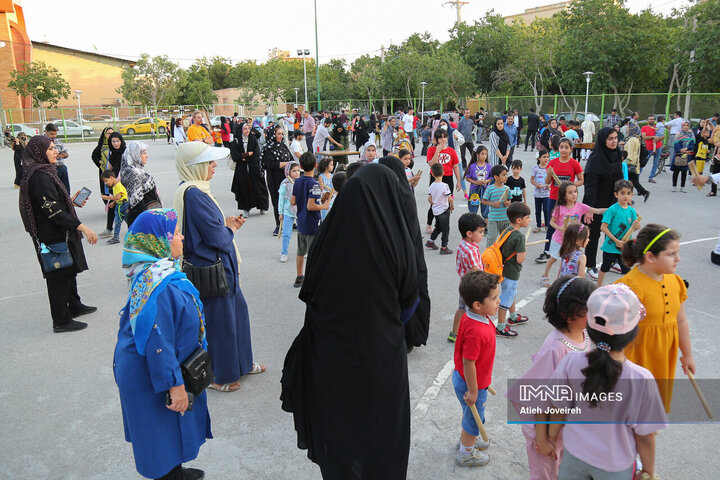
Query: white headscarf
135, 179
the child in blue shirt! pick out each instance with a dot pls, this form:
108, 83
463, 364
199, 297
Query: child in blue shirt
617, 220
496, 196
287, 211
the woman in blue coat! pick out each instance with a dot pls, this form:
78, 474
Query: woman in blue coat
209, 236
684, 145
160, 326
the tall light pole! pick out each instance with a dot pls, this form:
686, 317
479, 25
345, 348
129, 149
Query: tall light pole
296, 89
304, 54
422, 103
82, 132
317, 61
587, 91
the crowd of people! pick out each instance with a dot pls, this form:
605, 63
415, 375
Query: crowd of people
345, 378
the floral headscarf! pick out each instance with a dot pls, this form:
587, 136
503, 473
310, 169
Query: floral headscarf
150, 269
132, 171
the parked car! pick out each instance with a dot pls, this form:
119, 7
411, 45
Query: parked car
28, 131
215, 120
70, 128
143, 125
579, 116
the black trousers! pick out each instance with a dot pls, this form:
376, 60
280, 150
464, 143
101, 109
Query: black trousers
519, 137
714, 168
442, 226
592, 246
510, 157
309, 141
635, 179
18, 170
448, 179
174, 474
531, 134
683, 177
63, 296
463, 147
425, 148
273, 182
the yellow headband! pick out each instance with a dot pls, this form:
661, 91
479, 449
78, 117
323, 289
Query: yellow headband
655, 240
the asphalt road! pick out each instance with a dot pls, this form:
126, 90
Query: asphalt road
60, 411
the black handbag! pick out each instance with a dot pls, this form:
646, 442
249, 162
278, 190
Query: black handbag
197, 371
55, 256
210, 280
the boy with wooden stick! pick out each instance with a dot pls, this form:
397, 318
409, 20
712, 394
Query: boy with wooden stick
474, 358
496, 197
616, 222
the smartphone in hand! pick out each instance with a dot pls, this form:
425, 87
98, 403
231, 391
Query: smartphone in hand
82, 196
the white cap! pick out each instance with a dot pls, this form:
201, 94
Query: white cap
193, 153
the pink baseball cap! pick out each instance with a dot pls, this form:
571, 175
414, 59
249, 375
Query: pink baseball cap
614, 309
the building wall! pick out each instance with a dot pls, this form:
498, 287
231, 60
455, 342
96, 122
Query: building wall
17, 49
96, 76
543, 11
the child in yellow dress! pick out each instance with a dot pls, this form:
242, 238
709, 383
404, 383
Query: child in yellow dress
665, 327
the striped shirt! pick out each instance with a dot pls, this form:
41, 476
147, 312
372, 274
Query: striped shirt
467, 258
494, 194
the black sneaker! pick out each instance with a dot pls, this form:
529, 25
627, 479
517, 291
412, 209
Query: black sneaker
506, 332
113, 241
299, 281
445, 251
71, 326
276, 231
431, 244
294, 226
193, 474
83, 310
542, 258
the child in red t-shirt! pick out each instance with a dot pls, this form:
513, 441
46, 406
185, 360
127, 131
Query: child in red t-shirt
474, 358
447, 157
567, 169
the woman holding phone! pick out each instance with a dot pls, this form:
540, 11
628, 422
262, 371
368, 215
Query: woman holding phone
48, 214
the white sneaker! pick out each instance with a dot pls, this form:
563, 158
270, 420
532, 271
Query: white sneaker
247, 213
283, 258
105, 234
616, 268
674, 189
480, 444
474, 459
592, 273
682, 189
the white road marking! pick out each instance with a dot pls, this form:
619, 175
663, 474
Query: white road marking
698, 240
433, 390
39, 292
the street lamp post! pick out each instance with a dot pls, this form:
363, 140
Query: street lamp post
587, 90
296, 90
82, 132
422, 103
317, 60
304, 54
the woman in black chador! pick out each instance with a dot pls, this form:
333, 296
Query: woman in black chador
248, 183
345, 377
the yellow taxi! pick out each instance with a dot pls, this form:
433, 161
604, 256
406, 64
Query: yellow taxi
143, 125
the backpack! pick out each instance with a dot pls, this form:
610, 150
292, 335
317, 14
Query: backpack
492, 256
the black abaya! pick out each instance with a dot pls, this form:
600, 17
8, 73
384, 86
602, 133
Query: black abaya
248, 183
345, 377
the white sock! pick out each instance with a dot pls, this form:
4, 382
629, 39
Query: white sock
466, 450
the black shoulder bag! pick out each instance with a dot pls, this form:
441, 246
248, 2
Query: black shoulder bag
211, 280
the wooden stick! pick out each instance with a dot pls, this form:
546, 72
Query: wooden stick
491, 390
527, 234
694, 171
537, 242
699, 394
554, 177
630, 231
480, 425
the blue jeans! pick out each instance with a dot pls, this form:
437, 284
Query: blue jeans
655, 154
62, 173
287, 229
468, 421
484, 209
120, 215
542, 207
550, 228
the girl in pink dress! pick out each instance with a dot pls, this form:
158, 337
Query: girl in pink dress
566, 311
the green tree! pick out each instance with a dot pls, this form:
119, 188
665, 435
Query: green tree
240, 74
195, 86
701, 35
153, 81
43, 83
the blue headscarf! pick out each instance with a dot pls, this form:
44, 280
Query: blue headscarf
150, 268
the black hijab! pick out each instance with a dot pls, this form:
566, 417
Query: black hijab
115, 156
345, 377
504, 141
417, 327
35, 160
603, 169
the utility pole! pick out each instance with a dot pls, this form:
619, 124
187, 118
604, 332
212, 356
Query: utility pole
382, 62
458, 4
686, 113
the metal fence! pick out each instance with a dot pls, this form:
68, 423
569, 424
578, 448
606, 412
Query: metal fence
90, 120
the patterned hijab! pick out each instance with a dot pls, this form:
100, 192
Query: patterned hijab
150, 268
34, 160
278, 151
132, 171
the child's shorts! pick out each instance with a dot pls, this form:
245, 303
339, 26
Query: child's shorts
468, 421
572, 467
508, 291
461, 303
554, 250
609, 259
304, 242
